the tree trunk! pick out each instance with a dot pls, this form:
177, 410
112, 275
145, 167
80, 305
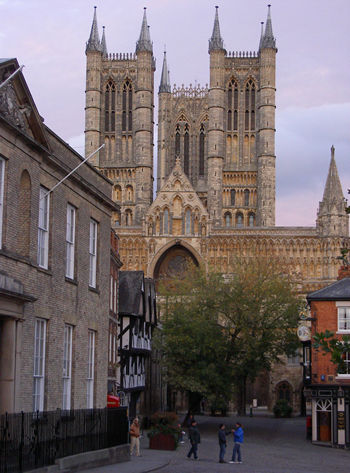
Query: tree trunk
241, 401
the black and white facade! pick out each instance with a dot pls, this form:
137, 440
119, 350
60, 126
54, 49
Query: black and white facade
137, 316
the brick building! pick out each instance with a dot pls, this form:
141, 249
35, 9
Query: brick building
328, 386
54, 263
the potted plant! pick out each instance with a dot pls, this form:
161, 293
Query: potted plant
164, 432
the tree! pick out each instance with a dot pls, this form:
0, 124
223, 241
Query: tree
337, 348
220, 330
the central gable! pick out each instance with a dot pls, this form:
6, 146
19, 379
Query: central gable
177, 209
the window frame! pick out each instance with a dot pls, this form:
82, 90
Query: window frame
2, 196
67, 367
90, 378
39, 356
93, 253
43, 228
345, 320
70, 243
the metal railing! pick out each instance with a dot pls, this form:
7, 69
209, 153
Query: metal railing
32, 440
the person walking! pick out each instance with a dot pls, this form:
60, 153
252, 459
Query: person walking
238, 440
135, 437
222, 442
195, 439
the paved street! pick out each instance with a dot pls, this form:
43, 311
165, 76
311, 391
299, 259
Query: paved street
270, 446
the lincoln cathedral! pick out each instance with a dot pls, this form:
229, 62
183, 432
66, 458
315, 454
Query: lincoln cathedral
215, 179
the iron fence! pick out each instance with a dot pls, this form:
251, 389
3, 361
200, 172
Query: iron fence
32, 440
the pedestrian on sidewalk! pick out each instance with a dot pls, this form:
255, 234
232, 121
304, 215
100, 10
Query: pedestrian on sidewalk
195, 439
135, 437
238, 440
222, 442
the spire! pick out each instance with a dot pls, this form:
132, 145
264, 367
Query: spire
261, 35
104, 44
165, 80
268, 41
216, 42
94, 41
144, 43
333, 190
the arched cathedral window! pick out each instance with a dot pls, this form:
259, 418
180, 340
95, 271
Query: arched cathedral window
186, 150
177, 141
127, 107
249, 120
201, 150
232, 106
188, 222
239, 220
166, 221
110, 107
227, 219
251, 220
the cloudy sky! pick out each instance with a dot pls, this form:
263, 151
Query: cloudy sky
313, 71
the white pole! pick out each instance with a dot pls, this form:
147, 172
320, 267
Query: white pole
73, 170
10, 77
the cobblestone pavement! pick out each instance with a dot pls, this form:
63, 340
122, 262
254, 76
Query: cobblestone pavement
270, 446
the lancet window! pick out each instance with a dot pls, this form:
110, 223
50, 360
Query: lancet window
110, 107
186, 150
182, 143
246, 197
249, 119
127, 107
232, 106
233, 197
201, 150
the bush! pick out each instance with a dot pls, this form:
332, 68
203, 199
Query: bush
282, 408
165, 423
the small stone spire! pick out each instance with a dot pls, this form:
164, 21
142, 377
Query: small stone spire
216, 42
332, 218
333, 190
261, 35
144, 43
268, 41
93, 43
104, 44
165, 82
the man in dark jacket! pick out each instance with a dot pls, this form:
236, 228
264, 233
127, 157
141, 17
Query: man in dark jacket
195, 439
222, 442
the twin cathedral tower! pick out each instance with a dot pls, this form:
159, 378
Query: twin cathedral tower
216, 158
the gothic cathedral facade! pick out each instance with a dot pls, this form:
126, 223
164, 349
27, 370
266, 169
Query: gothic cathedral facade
215, 189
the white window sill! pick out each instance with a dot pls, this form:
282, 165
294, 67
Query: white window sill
343, 332
342, 376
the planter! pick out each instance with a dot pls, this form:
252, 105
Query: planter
162, 442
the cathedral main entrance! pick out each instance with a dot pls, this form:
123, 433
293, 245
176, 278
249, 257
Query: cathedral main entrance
173, 264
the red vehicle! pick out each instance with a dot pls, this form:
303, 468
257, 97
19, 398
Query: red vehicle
113, 401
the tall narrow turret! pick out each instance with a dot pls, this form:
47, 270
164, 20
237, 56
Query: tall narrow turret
143, 122
92, 94
266, 128
163, 118
104, 44
216, 138
332, 219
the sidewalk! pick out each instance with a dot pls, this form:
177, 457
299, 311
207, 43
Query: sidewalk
150, 460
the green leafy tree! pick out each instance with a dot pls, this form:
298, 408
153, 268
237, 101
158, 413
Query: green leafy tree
220, 330
337, 348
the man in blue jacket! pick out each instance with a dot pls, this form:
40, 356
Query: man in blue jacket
238, 440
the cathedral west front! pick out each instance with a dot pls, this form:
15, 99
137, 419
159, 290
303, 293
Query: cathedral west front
215, 182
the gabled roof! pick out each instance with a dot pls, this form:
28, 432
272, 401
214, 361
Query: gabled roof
17, 105
338, 291
131, 293
169, 189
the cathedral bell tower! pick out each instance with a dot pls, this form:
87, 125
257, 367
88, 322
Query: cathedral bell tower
119, 114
